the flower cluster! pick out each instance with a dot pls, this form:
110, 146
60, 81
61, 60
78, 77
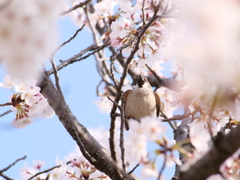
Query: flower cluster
27, 102
130, 20
125, 22
27, 36
77, 168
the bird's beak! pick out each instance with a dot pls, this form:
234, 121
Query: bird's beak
140, 81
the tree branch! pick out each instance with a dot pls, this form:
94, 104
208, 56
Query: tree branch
45, 171
81, 4
6, 177
70, 39
8, 167
124, 74
178, 117
76, 58
103, 161
223, 147
7, 112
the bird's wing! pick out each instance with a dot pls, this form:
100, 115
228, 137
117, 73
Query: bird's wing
124, 99
125, 95
158, 103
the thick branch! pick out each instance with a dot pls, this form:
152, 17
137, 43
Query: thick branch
103, 161
181, 135
224, 146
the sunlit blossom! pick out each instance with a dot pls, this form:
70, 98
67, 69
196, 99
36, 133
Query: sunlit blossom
28, 37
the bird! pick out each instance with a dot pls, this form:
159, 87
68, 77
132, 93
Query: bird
140, 102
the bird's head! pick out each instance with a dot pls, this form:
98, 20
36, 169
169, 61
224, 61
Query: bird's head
142, 82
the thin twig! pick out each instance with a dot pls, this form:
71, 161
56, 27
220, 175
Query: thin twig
130, 172
178, 117
70, 39
45, 171
97, 89
172, 125
143, 13
121, 144
81, 4
169, 122
5, 177
155, 74
56, 76
163, 167
6, 104
3, 114
8, 167
119, 50
114, 102
112, 74
76, 57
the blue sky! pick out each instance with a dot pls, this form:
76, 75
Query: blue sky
46, 138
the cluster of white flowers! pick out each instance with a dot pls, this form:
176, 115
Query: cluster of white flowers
209, 45
125, 22
27, 102
28, 35
222, 119
127, 26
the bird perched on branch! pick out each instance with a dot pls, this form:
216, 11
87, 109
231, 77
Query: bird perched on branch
141, 101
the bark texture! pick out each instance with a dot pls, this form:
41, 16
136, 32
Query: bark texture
90, 148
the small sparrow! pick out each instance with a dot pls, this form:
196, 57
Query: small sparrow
141, 101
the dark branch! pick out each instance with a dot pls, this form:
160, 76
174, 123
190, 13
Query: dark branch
81, 4
76, 58
8, 167
163, 167
80, 134
224, 146
71, 38
45, 171
130, 172
6, 177
5, 113
178, 117
6, 104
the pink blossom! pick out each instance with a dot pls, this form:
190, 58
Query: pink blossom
38, 164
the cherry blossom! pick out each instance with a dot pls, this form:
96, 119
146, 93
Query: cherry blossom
104, 105
38, 164
27, 102
149, 171
23, 48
